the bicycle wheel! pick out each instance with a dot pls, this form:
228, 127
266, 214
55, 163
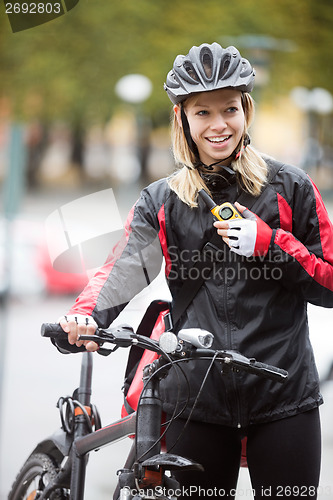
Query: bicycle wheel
37, 472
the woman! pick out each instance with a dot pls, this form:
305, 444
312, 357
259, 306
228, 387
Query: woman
277, 258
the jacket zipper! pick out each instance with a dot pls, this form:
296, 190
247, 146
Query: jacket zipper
229, 339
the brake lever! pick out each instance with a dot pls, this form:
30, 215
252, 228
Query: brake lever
253, 366
237, 357
121, 339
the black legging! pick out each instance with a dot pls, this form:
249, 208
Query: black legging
283, 458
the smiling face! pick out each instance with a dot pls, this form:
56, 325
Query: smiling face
217, 123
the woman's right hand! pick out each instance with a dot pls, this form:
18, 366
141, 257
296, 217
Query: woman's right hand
76, 325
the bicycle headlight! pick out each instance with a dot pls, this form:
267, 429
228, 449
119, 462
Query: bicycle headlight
197, 337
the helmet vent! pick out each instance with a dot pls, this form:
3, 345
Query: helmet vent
207, 65
246, 69
225, 67
190, 71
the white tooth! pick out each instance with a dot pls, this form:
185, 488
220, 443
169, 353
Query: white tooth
217, 139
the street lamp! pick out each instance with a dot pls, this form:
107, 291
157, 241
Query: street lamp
134, 89
317, 100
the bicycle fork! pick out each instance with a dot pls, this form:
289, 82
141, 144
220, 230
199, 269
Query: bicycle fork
134, 476
149, 417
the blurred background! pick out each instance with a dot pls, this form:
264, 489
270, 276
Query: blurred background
82, 109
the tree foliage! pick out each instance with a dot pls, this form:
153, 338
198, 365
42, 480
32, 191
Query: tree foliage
68, 67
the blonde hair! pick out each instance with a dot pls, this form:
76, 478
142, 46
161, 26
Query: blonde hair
249, 166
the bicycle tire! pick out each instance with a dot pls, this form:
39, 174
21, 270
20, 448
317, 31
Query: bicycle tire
37, 472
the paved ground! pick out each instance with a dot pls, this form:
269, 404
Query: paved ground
36, 374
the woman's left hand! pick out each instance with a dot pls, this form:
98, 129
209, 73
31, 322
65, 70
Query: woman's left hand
249, 236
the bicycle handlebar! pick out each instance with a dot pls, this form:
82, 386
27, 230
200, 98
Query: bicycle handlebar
120, 336
124, 336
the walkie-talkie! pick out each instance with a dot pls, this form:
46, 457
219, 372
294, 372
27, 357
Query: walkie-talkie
226, 211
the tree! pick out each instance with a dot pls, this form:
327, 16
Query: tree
67, 69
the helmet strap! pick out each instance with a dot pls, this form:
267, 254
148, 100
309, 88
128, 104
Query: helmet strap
246, 142
186, 128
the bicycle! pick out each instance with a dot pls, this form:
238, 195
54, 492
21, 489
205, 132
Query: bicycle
56, 467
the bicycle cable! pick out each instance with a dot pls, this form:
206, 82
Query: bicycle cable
196, 399
67, 409
175, 364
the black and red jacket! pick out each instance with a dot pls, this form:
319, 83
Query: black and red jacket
255, 305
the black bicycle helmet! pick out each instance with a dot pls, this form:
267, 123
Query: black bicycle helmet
208, 67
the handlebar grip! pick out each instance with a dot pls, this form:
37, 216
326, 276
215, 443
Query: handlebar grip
270, 371
53, 330
60, 339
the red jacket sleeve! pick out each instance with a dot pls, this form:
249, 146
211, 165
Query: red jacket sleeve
132, 264
305, 256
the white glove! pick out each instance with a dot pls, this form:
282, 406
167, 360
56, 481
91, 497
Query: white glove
242, 236
80, 319
250, 235
76, 325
